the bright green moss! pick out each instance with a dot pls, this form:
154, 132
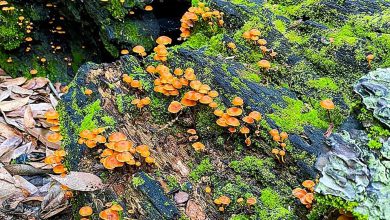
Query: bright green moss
295, 116
204, 168
115, 7
137, 181
196, 41
345, 35
90, 121
271, 206
244, 2
108, 121
119, 103
324, 83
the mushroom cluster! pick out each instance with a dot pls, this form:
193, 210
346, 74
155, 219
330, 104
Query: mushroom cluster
161, 50
303, 195
133, 83
92, 138
280, 139
6, 7
67, 190
198, 146
140, 50
235, 120
195, 14
111, 213
222, 202
56, 160
140, 103
52, 117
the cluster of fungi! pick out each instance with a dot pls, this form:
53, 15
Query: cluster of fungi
232, 121
56, 160
198, 146
118, 149
113, 212
280, 139
306, 196
194, 14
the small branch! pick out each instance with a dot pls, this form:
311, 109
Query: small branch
25, 170
54, 90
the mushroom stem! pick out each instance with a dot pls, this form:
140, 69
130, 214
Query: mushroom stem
277, 157
282, 159
330, 119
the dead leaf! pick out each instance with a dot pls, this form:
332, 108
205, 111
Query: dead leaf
80, 181
10, 144
54, 101
7, 131
4, 94
54, 202
7, 183
7, 106
195, 211
13, 82
22, 91
28, 118
36, 83
23, 184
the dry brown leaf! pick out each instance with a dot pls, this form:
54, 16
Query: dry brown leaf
13, 82
7, 183
53, 100
28, 118
80, 181
4, 94
10, 144
7, 106
36, 83
54, 202
7, 131
23, 184
20, 90
195, 211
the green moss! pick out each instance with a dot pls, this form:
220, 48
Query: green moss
375, 133
108, 121
204, 168
90, 121
119, 102
271, 206
296, 115
244, 2
326, 203
324, 83
137, 181
115, 7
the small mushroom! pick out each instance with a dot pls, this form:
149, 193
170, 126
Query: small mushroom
174, 107
237, 101
282, 153
276, 153
198, 146
85, 211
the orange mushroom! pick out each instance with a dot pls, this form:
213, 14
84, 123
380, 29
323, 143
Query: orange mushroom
54, 137
123, 146
255, 115
164, 40
117, 136
174, 107
88, 92
232, 121
59, 169
198, 146
234, 111
52, 114
237, 101
85, 211
109, 214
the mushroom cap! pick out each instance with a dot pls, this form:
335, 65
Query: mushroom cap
196, 84
232, 129
218, 112
143, 150
327, 104
109, 214
52, 114
309, 197
124, 157
276, 138
124, 52
33, 71
237, 101
232, 121
164, 40
100, 139
283, 135
139, 49
244, 130
123, 146
370, 57
174, 107
248, 119
151, 69
255, 32
88, 92
148, 8
274, 132
60, 153
58, 169
264, 64
84, 134
90, 143
193, 95
234, 111
187, 102
111, 162
191, 131
282, 153
52, 159
150, 160
308, 184
206, 99
85, 211
116, 207
198, 146
222, 122
262, 42
117, 136
224, 200
275, 151
54, 137
255, 115
107, 152
299, 193
251, 201
240, 200
213, 94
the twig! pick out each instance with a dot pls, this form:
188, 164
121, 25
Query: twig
24, 170
54, 90
170, 123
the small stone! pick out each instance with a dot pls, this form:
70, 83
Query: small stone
181, 197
